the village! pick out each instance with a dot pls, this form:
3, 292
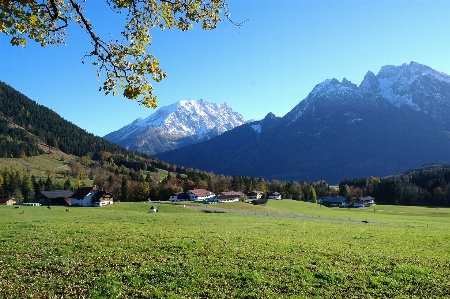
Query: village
83, 197
93, 197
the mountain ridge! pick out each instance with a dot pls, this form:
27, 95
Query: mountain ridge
340, 130
180, 124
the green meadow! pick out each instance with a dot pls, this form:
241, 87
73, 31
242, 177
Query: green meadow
123, 251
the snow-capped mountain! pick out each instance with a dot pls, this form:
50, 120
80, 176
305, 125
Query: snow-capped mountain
177, 125
395, 120
418, 86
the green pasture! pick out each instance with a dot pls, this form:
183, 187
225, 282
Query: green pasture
123, 251
39, 165
393, 215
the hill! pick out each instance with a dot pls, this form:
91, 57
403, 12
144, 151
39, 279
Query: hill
48, 126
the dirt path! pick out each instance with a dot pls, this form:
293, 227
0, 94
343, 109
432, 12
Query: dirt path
222, 210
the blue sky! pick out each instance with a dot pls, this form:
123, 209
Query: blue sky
269, 65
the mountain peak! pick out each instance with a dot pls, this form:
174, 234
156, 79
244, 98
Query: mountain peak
178, 124
349, 84
269, 116
412, 69
333, 89
370, 83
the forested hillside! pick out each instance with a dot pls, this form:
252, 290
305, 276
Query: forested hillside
19, 115
425, 186
16, 143
49, 126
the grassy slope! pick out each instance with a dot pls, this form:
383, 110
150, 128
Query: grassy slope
123, 252
38, 165
56, 161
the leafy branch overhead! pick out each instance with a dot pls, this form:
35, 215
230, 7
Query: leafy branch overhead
125, 61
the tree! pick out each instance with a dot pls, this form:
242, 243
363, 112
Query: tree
27, 189
312, 196
48, 184
124, 60
124, 190
67, 185
36, 185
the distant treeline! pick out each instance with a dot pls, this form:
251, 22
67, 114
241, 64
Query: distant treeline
421, 187
417, 188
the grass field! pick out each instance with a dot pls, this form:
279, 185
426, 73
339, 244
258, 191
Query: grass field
39, 165
123, 251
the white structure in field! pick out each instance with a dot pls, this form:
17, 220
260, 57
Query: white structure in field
179, 196
91, 197
255, 194
364, 202
275, 195
200, 194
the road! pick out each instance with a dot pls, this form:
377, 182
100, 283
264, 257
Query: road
222, 210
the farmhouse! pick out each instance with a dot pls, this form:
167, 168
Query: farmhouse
275, 195
7, 201
228, 198
56, 197
91, 196
83, 196
255, 194
364, 202
235, 193
232, 196
200, 194
102, 198
179, 196
334, 201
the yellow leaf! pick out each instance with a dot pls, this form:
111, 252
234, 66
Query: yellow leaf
33, 19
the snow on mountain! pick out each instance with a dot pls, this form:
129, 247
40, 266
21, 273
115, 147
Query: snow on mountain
179, 124
331, 94
408, 84
397, 119
414, 85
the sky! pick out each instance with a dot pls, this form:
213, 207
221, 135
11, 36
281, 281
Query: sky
270, 64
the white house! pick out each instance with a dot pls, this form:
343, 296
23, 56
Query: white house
255, 194
227, 198
275, 195
334, 201
200, 194
364, 202
102, 198
179, 196
91, 196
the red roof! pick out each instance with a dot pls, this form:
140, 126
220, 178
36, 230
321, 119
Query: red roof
200, 192
233, 193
